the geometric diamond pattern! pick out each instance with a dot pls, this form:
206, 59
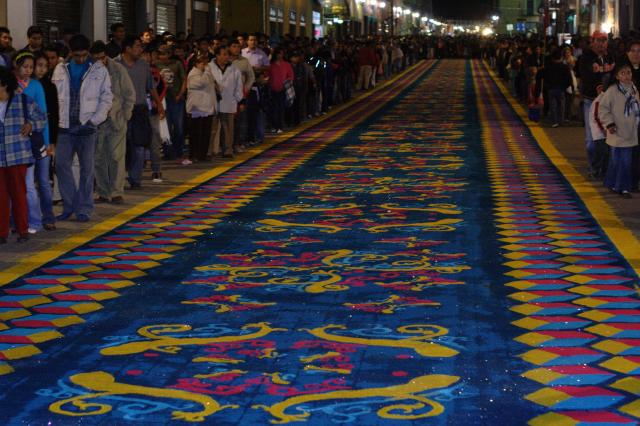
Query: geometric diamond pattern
582, 348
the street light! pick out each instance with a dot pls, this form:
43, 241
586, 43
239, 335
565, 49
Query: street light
495, 18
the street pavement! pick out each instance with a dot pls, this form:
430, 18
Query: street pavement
395, 261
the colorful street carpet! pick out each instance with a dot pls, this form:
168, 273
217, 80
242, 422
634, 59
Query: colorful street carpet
415, 258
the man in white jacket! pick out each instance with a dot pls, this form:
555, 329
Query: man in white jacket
84, 98
230, 93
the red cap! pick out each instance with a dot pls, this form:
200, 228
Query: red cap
599, 34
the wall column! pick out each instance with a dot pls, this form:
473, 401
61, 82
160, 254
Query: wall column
3, 13
100, 20
150, 15
21, 18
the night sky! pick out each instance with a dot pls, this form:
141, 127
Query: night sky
462, 9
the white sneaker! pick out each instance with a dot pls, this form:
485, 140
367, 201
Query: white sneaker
32, 230
186, 162
279, 131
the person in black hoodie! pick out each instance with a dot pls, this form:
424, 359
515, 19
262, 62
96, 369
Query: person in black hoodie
595, 67
557, 78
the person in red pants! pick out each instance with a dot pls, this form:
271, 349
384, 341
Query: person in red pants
16, 126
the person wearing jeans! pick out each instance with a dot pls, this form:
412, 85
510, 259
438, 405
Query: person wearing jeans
15, 153
38, 183
595, 67
111, 148
173, 74
85, 98
557, 79
139, 130
229, 82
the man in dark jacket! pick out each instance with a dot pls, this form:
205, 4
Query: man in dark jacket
118, 33
595, 67
557, 78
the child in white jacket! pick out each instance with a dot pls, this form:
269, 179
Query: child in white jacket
620, 113
201, 106
230, 90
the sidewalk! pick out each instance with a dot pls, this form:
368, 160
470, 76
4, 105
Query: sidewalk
569, 140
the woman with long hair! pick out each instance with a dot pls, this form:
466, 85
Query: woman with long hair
38, 179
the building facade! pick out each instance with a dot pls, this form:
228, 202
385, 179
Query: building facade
618, 17
273, 17
94, 17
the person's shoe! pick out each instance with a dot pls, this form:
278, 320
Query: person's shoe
49, 226
186, 162
554, 125
240, 149
625, 194
82, 218
64, 216
228, 155
135, 186
278, 131
23, 238
101, 200
156, 177
117, 200
32, 231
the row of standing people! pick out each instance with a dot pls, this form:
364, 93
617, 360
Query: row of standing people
104, 112
603, 84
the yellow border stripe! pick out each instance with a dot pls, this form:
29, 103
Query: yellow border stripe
624, 240
34, 261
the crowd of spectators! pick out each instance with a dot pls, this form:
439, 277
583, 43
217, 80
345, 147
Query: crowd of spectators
106, 111
590, 80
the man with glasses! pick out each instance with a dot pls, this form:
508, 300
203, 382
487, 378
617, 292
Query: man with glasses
595, 67
84, 98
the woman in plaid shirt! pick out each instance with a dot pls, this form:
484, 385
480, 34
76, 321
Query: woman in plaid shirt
15, 153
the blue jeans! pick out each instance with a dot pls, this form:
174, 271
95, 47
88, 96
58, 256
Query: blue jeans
43, 183
135, 163
33, 202
556, 107
175, 121
81, 141
588, 138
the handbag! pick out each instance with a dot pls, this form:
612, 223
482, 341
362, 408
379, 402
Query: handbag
38, 148
290, 93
